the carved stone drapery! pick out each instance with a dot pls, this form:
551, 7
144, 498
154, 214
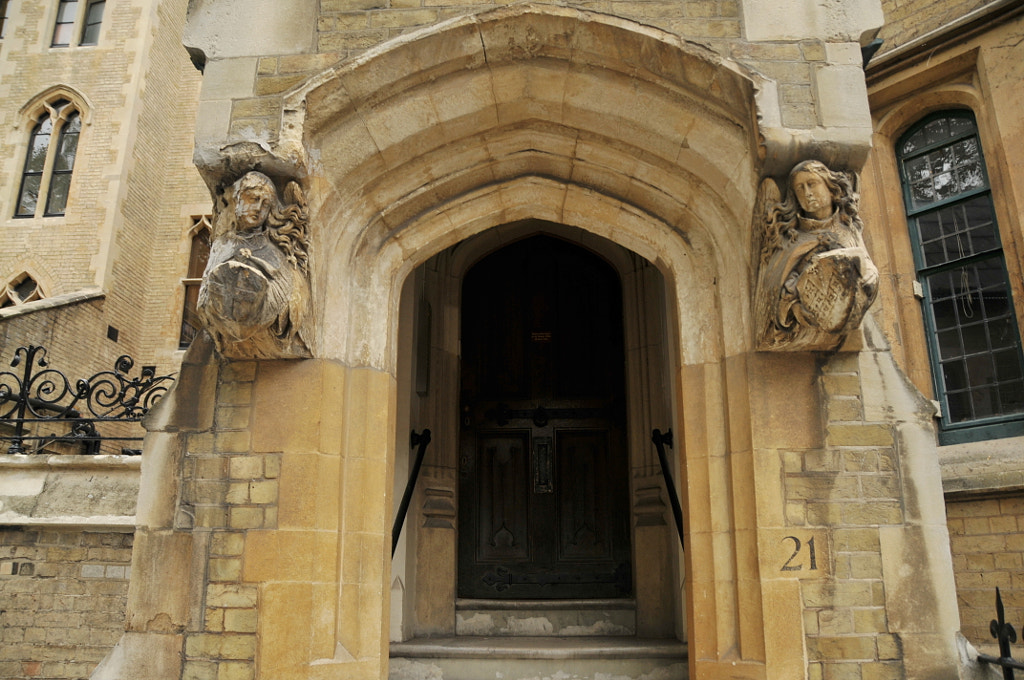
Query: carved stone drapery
815, 278
255, 292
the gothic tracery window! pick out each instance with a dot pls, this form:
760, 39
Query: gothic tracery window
19, 290
49, 161
971, 324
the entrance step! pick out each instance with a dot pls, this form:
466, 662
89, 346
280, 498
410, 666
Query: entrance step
562, 618
537, 658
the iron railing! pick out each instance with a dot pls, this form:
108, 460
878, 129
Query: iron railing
40, 406
1004, 633
660, 440
419, 440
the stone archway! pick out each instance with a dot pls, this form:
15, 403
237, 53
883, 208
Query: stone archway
616, 131
423, 575
529, 113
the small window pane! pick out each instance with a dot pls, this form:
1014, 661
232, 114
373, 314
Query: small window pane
199, 255
57, 199
67, 11
93, 21
62, 30
29, 198
936, 131
65, 160
959, 125
3, 18
38, 145
26, 288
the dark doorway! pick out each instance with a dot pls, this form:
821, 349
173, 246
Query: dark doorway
543, 470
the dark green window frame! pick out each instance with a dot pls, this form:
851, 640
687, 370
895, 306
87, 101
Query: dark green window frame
970, 320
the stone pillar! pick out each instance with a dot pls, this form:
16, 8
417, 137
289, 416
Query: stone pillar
854, 554
264, 542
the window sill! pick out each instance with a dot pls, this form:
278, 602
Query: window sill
52, 302
979, 468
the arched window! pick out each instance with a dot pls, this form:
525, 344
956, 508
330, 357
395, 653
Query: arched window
971, 325
46, 178
19, 290
199, 254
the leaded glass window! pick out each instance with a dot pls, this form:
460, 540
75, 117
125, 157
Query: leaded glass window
48, 166
968, 307
63, 164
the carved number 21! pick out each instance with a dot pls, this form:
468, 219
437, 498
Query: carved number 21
797, 545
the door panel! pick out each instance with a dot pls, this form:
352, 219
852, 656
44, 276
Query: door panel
503, 481
543, 483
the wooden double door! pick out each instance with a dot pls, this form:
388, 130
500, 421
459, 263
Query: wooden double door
543, 470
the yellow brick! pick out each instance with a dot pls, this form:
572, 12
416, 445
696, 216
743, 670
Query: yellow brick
859, 435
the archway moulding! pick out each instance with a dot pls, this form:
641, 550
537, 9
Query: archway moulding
620, 122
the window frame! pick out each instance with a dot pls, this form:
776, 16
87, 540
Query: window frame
200, 224
988, 427
60, 111
5, 17
78, 26
11, 297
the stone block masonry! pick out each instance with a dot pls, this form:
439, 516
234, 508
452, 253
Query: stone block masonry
63, 595
852, 484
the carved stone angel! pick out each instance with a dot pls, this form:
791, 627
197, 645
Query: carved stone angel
815, 278
255, 291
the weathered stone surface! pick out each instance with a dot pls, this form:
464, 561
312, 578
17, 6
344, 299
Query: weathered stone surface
255, 290
815, 279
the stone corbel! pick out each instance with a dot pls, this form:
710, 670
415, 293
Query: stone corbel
255, 295
815, 279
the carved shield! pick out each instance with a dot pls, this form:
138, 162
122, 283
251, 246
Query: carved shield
828, 289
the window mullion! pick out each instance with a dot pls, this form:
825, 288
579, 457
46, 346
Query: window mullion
51, 154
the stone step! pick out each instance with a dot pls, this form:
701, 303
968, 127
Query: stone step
533, 658
564, 618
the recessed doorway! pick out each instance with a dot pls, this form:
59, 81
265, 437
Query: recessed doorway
543, 462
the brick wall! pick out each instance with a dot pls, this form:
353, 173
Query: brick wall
909, 19
347, 28
853, 486
62, 600
987, 540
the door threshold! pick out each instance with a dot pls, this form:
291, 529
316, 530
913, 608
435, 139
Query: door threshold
485, 647
465, 603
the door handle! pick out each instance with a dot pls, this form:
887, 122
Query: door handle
542, 461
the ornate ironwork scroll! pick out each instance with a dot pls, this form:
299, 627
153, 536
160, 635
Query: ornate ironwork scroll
38, 397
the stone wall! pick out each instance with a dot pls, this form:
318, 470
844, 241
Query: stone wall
987, 539
63, 594
907, 20
133, 190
